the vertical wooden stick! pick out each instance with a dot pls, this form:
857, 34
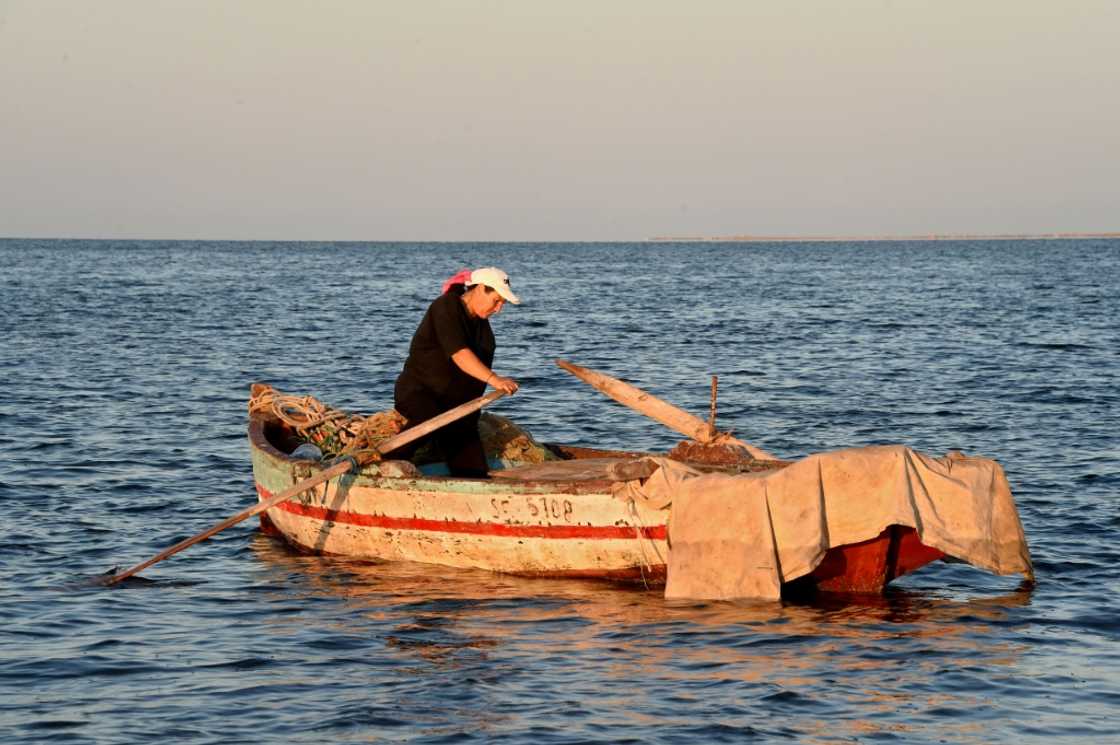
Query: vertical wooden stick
712, 416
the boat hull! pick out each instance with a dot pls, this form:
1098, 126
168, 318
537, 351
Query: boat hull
529, 528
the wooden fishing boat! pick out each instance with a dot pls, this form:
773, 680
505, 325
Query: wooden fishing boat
561, 518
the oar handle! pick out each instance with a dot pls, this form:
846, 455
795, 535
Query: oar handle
431, 425
338, 469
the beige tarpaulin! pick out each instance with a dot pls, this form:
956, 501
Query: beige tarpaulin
741, 536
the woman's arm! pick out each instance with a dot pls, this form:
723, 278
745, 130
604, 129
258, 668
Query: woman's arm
468, 362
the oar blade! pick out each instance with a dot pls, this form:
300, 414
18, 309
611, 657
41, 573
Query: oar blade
661, 411
343, 466
645, 403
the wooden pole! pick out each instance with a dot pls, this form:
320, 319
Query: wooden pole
675, 419
642, 402
338, 469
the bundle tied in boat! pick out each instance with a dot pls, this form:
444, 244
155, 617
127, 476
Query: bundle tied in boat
336, 432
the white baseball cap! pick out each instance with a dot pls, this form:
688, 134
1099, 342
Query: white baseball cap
497, 280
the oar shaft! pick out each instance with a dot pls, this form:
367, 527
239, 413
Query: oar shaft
335, 470
338, 469
431, 425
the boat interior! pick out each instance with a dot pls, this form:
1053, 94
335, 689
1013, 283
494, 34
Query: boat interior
549, 461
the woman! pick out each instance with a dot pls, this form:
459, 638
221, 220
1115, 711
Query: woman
449, 363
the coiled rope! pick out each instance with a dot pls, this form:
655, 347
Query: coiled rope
335, 432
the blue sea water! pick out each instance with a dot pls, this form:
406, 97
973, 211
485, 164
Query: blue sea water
124, 375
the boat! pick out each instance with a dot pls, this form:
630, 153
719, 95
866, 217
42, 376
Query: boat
563, 517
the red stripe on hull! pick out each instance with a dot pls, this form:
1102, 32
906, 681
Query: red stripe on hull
593, 532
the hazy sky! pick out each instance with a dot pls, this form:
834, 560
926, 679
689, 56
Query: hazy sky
574, 120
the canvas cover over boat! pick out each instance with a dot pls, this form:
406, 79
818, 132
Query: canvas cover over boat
741, 535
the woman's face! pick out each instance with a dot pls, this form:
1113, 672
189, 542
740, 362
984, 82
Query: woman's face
483, 302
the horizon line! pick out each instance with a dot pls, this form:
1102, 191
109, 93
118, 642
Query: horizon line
740, 238
915, 237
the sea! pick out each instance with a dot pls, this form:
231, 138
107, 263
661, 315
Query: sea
125, 369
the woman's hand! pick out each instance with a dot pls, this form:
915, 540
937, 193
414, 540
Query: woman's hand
505, 385
469, 363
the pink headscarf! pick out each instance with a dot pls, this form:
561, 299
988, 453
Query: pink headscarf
461, 278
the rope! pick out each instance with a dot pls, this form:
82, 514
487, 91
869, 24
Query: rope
337, 433
639, 530
334, 432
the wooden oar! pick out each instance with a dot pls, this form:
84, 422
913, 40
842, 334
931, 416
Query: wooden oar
343, 466
661, 411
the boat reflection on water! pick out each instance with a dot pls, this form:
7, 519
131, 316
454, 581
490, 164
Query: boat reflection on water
908, 650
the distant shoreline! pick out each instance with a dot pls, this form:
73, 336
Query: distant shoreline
850, 238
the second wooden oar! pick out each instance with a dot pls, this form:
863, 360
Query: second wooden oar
338, 469
661, 411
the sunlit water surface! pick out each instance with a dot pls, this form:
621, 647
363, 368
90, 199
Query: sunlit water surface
125, 370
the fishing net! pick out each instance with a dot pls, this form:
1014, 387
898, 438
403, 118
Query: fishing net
335, 432
507, 442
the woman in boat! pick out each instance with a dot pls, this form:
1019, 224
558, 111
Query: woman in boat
450, 362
